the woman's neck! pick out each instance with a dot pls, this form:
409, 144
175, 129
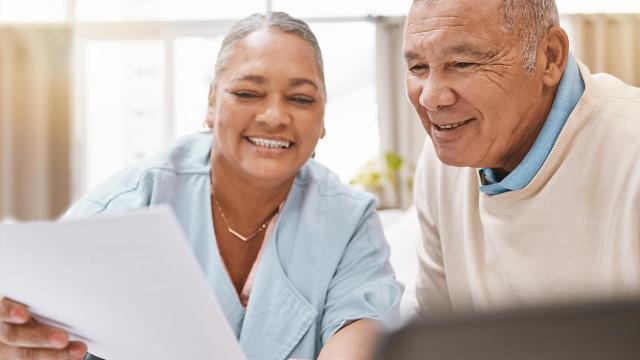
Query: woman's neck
245, 202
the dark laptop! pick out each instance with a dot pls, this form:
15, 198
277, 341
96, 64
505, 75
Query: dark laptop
581, 332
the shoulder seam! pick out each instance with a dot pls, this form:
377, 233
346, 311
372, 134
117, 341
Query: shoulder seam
105, 204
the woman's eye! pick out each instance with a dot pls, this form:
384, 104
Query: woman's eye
303, 100
245, 95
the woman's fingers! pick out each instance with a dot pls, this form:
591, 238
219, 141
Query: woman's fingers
23, 338
13, 312
75, 351
33, 335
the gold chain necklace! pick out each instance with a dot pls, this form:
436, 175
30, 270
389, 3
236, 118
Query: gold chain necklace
235, 233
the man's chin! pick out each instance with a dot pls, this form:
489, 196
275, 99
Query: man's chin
450, 159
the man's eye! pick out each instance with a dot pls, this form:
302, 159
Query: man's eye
419, 68
303, 100
462, 65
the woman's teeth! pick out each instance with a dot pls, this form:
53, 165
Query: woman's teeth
268, 143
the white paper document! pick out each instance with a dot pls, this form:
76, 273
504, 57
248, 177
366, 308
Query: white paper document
129, 286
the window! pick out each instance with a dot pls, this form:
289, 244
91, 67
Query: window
341, 8
351, 116
193, 68
141, 10
124, 84
33, 11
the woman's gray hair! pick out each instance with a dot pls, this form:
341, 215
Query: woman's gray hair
272, 20
530, 20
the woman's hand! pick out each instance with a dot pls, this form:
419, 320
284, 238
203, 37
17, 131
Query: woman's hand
23, 338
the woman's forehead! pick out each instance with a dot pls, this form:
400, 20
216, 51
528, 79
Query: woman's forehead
272, 50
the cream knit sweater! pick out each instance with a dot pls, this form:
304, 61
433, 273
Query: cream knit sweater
572, 234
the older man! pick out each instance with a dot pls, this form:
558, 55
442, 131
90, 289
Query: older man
529, 190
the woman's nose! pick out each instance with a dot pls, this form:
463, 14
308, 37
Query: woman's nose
274, 114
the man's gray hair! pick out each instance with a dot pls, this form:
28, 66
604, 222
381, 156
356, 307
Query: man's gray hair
272, 20
530, 20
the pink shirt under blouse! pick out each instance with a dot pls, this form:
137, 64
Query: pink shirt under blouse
246, 289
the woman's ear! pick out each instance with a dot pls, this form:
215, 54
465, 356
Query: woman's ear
208, 122
212, 94
555, 54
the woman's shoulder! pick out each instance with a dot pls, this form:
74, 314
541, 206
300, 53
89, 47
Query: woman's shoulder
138, 184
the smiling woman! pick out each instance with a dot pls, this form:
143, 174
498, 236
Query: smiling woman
264, 95
297, 260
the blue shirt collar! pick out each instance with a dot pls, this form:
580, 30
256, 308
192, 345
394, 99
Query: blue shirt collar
568, 94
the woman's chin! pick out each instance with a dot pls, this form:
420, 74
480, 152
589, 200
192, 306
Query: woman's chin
269, 171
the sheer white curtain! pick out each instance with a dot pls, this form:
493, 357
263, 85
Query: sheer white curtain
34, 121
400, 128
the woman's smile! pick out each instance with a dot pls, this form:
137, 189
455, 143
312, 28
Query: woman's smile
264, 145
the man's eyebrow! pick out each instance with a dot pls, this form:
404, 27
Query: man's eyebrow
260, 80
469, 50
302, 81
410, 55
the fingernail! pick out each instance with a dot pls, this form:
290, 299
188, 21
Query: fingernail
77, 351
58, 338
17, 314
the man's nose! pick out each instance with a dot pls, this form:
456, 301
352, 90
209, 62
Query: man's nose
274, 114
436, 94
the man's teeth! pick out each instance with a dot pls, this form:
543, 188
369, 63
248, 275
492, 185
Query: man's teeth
268, 143
452, 126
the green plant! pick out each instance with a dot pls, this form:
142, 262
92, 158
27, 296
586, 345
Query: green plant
389, 177
378, 172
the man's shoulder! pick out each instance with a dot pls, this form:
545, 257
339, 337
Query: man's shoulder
610, 86
615, 109
614, 98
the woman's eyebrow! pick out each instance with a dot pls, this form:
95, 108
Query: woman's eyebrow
260, 80
302, 81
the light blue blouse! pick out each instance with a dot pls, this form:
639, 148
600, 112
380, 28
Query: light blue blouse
325, 264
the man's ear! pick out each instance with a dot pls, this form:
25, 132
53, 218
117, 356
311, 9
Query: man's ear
554, 52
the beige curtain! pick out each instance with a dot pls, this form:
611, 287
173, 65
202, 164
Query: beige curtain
35, 113
400, 127
607, 43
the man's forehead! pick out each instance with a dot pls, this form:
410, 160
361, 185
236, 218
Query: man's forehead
427, 15
418, 25
450, 29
